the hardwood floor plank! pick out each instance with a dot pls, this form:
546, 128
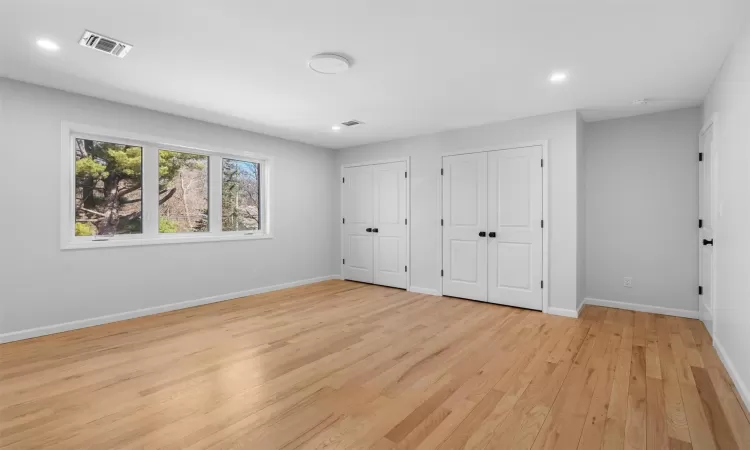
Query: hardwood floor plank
346, 365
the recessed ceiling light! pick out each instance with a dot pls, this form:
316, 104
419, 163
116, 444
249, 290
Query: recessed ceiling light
336, 127
558, 77
48, 45
328, 63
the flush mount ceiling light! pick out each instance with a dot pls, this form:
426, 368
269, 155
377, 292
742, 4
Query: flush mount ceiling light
328, 63
48, 45
558, 77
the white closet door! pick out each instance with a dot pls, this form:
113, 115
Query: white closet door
389, 225
514, 216
358, 216
464, 217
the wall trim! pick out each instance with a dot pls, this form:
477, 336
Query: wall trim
426, 291
572, 313
742, 388
642, 308
85, 323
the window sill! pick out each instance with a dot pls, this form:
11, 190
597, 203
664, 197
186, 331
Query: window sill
183, 239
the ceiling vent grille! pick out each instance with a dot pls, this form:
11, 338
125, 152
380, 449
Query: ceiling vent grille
351, 123
105, 44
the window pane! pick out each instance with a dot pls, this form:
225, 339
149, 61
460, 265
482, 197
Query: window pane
183, 192
240, 195
108, 188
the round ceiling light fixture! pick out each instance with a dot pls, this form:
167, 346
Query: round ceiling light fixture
328, 63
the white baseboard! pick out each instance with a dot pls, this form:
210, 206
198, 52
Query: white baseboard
421, 290
642, 308
83, 323
738, 382
563, 312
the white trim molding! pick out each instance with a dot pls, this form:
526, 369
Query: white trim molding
740, 385
426, 291
572, 313
690, 314
85, 323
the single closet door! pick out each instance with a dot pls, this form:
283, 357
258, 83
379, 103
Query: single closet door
514, 226
358, 222
465, 226
389, 224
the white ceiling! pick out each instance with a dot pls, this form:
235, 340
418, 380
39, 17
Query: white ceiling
419, 66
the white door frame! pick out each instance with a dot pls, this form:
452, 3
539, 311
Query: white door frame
545, 207
408, 211
712, 122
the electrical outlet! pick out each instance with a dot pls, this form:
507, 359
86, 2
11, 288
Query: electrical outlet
628, 282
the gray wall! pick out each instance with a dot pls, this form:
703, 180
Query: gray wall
40, 285
426, 159
642, 209
729, 99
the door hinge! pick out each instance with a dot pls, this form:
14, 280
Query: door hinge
343, 220
343, 179
700, 156
700, 290
406, 221
700, 223
542, 223
405, 269
542, 163
405, 175
441, 222
343, 261
542, 284
441, 272
441, 171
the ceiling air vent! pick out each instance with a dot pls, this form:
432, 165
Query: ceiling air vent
105, 44
351, 123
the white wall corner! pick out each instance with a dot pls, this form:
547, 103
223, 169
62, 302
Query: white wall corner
690, 314
733, 373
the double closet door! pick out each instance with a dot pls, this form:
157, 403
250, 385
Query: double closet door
492, 226
374, 224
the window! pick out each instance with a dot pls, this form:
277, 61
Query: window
108, 179
240, 195
124, 190
183, 192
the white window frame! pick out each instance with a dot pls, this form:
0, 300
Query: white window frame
150, 190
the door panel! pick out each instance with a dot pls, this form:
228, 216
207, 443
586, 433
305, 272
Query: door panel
708, 213
515, 215
464, 216
358, 213
390, 221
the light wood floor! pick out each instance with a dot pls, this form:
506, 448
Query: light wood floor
348, 366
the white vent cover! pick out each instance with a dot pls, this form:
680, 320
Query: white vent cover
351, 123
105, 44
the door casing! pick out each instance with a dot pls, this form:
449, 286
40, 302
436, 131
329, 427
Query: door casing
710, 314
408, 211
545, 208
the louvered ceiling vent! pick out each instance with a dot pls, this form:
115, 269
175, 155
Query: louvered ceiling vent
105, 44
351, 123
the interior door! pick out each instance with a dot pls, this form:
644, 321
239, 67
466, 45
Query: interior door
514, 224
707, 207
464, 220
358, 219
389, 224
